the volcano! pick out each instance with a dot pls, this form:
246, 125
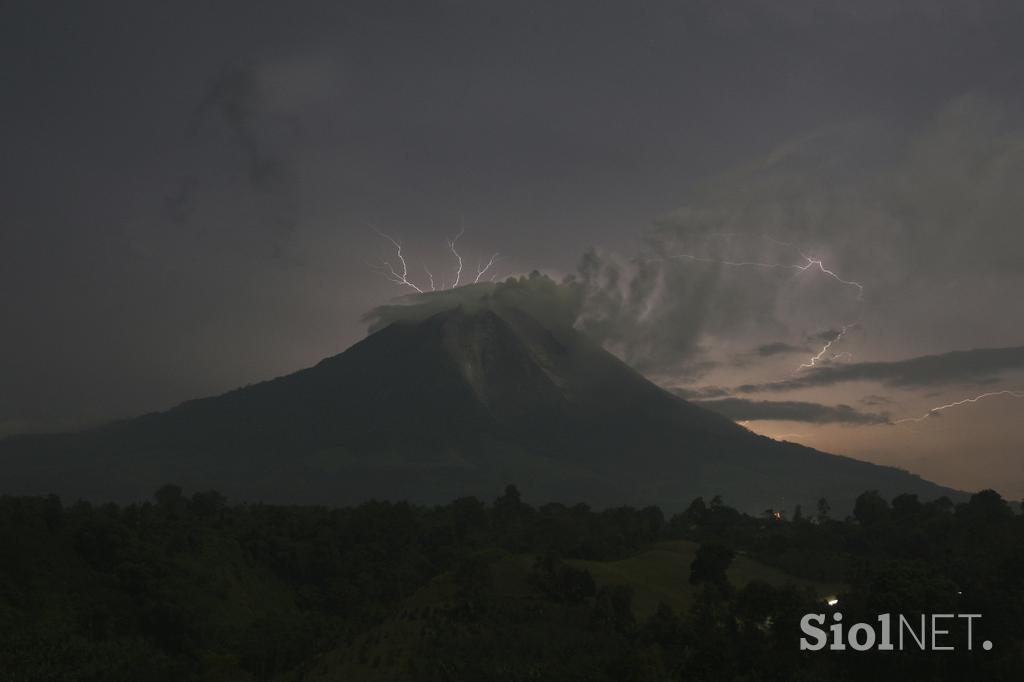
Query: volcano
459, 402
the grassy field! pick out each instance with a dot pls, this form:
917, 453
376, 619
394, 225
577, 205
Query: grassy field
662, 574
658, 574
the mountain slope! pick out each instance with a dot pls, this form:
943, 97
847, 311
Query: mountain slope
459, 403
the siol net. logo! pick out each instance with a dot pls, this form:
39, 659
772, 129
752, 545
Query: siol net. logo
935, 632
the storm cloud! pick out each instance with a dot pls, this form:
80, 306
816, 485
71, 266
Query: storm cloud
236, 97
982, 365
905, 232
701, 392
778, 348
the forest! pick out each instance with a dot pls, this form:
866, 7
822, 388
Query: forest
192, 587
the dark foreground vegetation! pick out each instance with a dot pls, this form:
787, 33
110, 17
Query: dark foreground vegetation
190, 588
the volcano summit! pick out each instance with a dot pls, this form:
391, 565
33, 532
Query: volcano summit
454, 399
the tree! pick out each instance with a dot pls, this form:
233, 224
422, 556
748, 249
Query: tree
711, 564
756, 602
824, 508
468, 515
986, 507
652, 519
207, 504
870, 508
473, 578
614, 606
906, 505
169, 498
509, 505
697, 513
575, 584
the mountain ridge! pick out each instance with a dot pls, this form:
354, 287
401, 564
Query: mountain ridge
457, 403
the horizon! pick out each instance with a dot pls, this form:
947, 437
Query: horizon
420, 305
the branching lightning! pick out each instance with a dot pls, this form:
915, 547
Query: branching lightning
824, 354
936, 410
814, 262
480, 272
813, 362
451, 245
389, 270
398, 272
808, 264
803, 267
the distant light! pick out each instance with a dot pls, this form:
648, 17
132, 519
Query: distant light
832, 601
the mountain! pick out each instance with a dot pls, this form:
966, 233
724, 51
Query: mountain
458, 402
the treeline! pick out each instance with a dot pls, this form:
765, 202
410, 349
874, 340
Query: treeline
188, 587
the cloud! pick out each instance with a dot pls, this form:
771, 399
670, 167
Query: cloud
740, 409
824, 336
237, 98
778, 348
657, 314
980, 365
261, 105
627, 309
250, 120
883, 206
874, 399
925, 216
555, 305
701, 393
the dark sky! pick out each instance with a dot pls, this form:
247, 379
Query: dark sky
188, 190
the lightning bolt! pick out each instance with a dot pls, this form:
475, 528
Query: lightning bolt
481, 272
803, 267
451, 245
936, 410
389, 270
814, 262
399, 271
809, 263
813, 362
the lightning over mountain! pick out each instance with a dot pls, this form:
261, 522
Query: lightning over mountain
400, 275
